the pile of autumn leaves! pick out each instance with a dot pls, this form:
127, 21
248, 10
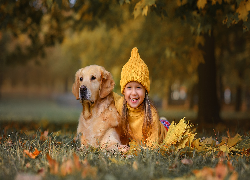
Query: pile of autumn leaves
180, 140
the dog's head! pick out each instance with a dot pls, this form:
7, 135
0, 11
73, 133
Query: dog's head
92, 82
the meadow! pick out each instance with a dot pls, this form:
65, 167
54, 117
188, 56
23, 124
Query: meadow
37, 142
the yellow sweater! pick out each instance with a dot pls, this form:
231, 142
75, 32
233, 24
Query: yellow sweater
136, 119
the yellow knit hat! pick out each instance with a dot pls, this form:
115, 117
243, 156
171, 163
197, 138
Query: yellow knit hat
135, 70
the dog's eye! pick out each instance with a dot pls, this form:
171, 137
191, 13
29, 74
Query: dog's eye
81, 78
93, 77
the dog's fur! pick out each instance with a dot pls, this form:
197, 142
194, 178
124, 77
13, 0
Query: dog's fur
99, 118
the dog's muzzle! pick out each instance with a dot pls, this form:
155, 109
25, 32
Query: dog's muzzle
83, 92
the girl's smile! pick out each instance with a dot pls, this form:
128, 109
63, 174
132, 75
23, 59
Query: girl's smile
134, 94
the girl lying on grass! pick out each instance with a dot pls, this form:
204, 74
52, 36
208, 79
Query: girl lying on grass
140, 122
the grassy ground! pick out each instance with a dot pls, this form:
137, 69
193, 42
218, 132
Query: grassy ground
38, 155
29, 151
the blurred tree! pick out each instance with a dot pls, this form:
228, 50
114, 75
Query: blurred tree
46, 22
233, 52
203, 16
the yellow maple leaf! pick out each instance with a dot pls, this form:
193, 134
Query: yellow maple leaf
142, 7
181, 2
179, 134
145, 11
243, 9
138, 9
224, 148
201, 4
215, 1
233, 141
197, 145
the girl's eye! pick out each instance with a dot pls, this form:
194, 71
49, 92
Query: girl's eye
81, 78
138, 87
93, 77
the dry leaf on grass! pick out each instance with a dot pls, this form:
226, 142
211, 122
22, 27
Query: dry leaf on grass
32, 155
70, 166
187, 161
180, 135
53, 164
218, 173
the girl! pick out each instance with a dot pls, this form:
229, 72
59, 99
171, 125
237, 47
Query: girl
140, 121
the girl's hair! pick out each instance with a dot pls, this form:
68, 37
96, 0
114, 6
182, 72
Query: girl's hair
148, 118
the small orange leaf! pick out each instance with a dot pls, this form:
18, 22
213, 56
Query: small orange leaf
221, 171
77, 162
44, 136
67, 167
205, 173
88, 170
32, 155
54, 166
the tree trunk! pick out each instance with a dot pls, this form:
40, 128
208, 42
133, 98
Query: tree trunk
208, 106
193, 97
238, 100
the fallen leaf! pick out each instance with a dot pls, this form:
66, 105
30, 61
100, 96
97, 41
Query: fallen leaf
187, 161
135, 165
197, 145
204, 173
44, 136
77, 162
221, 171
67, 167
27, 176
88, 170
224, 148
53, 164
32, 155
233, 141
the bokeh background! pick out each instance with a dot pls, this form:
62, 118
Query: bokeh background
197, 52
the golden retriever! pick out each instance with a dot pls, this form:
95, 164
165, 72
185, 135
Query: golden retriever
99, 119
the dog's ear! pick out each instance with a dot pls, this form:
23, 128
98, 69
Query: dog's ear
76, 85
107, 83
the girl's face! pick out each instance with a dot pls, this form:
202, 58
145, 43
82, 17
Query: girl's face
134, 94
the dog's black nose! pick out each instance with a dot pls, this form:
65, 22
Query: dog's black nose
82, 92
83, 88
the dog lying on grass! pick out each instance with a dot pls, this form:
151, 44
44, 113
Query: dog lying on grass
99, 119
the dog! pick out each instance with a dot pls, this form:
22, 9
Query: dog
99, 119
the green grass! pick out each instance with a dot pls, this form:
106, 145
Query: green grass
37, 110
151, 164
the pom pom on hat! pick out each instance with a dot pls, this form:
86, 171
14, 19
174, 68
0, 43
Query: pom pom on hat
135, 70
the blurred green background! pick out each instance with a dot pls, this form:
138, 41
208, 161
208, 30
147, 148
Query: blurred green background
197, 52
